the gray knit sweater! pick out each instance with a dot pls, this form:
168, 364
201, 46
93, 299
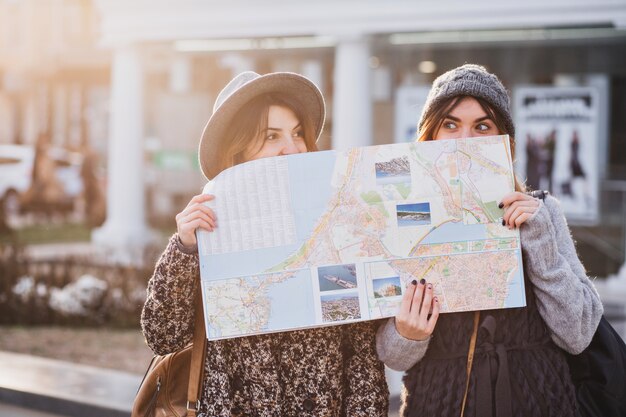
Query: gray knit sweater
566, 297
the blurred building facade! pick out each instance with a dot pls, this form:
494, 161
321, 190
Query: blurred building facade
140, 78
53, 79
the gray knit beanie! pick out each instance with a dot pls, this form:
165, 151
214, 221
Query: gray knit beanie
470, 80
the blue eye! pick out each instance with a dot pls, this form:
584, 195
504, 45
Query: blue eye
449, 125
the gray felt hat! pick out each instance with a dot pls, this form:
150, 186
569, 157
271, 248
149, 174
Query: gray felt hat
470, 80
245, 87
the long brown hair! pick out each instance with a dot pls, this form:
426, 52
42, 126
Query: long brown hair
439, 112
251, 120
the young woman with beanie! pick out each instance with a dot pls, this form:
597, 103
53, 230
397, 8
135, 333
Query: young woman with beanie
332, 371
518, 366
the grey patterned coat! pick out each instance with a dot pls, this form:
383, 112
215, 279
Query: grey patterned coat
332, 371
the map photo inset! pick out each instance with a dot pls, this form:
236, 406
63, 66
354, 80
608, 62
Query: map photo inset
387, 287
394, 171
340, 307
416, 214
337, 277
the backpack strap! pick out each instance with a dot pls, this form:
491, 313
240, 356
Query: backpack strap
198, 353
470, 359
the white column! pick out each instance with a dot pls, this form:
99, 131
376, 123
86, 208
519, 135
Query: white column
75, 108
125, 226
180, 74
313, 70
29, 121
59, 114
42, 109
352, 102
7, 118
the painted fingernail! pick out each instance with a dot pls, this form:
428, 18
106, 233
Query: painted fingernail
503, 222
422, 281
501, 205
414, 282
430, 286
436, 299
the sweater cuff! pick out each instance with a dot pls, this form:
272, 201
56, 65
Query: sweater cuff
178, 258
538, 224
395, 350
189, 250
538, 237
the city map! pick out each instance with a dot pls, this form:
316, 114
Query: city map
327, 238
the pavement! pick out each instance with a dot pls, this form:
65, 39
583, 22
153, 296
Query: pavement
8, 410
64, 388
32, 386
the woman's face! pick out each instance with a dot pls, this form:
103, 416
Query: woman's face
466, 120
283, 136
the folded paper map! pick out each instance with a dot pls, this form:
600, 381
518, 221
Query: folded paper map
327, 238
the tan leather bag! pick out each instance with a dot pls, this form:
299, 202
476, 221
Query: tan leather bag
168, 388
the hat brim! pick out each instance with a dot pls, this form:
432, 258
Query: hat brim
283, 82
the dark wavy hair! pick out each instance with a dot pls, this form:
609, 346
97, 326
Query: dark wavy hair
251, 120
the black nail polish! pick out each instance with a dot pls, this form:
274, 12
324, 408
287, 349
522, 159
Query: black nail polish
422, 281
503, 223
414, 282
501, 205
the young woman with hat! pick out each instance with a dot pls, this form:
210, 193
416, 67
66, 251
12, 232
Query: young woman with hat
331, 371
518, 367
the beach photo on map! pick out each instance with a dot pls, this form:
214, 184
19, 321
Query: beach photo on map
340, 307
387, 287
337, 277
416, 214
393, 171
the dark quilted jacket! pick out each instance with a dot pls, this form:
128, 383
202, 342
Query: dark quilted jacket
517, 371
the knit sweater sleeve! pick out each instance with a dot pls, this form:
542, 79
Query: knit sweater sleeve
365, 384
566, 297
396, 351
167, 319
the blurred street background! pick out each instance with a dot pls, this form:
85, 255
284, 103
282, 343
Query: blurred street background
102, 103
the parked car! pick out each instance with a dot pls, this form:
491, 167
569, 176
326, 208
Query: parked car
16, 174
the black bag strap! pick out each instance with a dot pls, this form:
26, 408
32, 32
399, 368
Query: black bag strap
198, 353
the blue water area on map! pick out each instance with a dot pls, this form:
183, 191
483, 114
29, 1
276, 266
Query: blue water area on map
517, 295
456, 232
212, 332
309, 201
292, 302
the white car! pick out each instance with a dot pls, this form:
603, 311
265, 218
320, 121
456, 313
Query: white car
16, 168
